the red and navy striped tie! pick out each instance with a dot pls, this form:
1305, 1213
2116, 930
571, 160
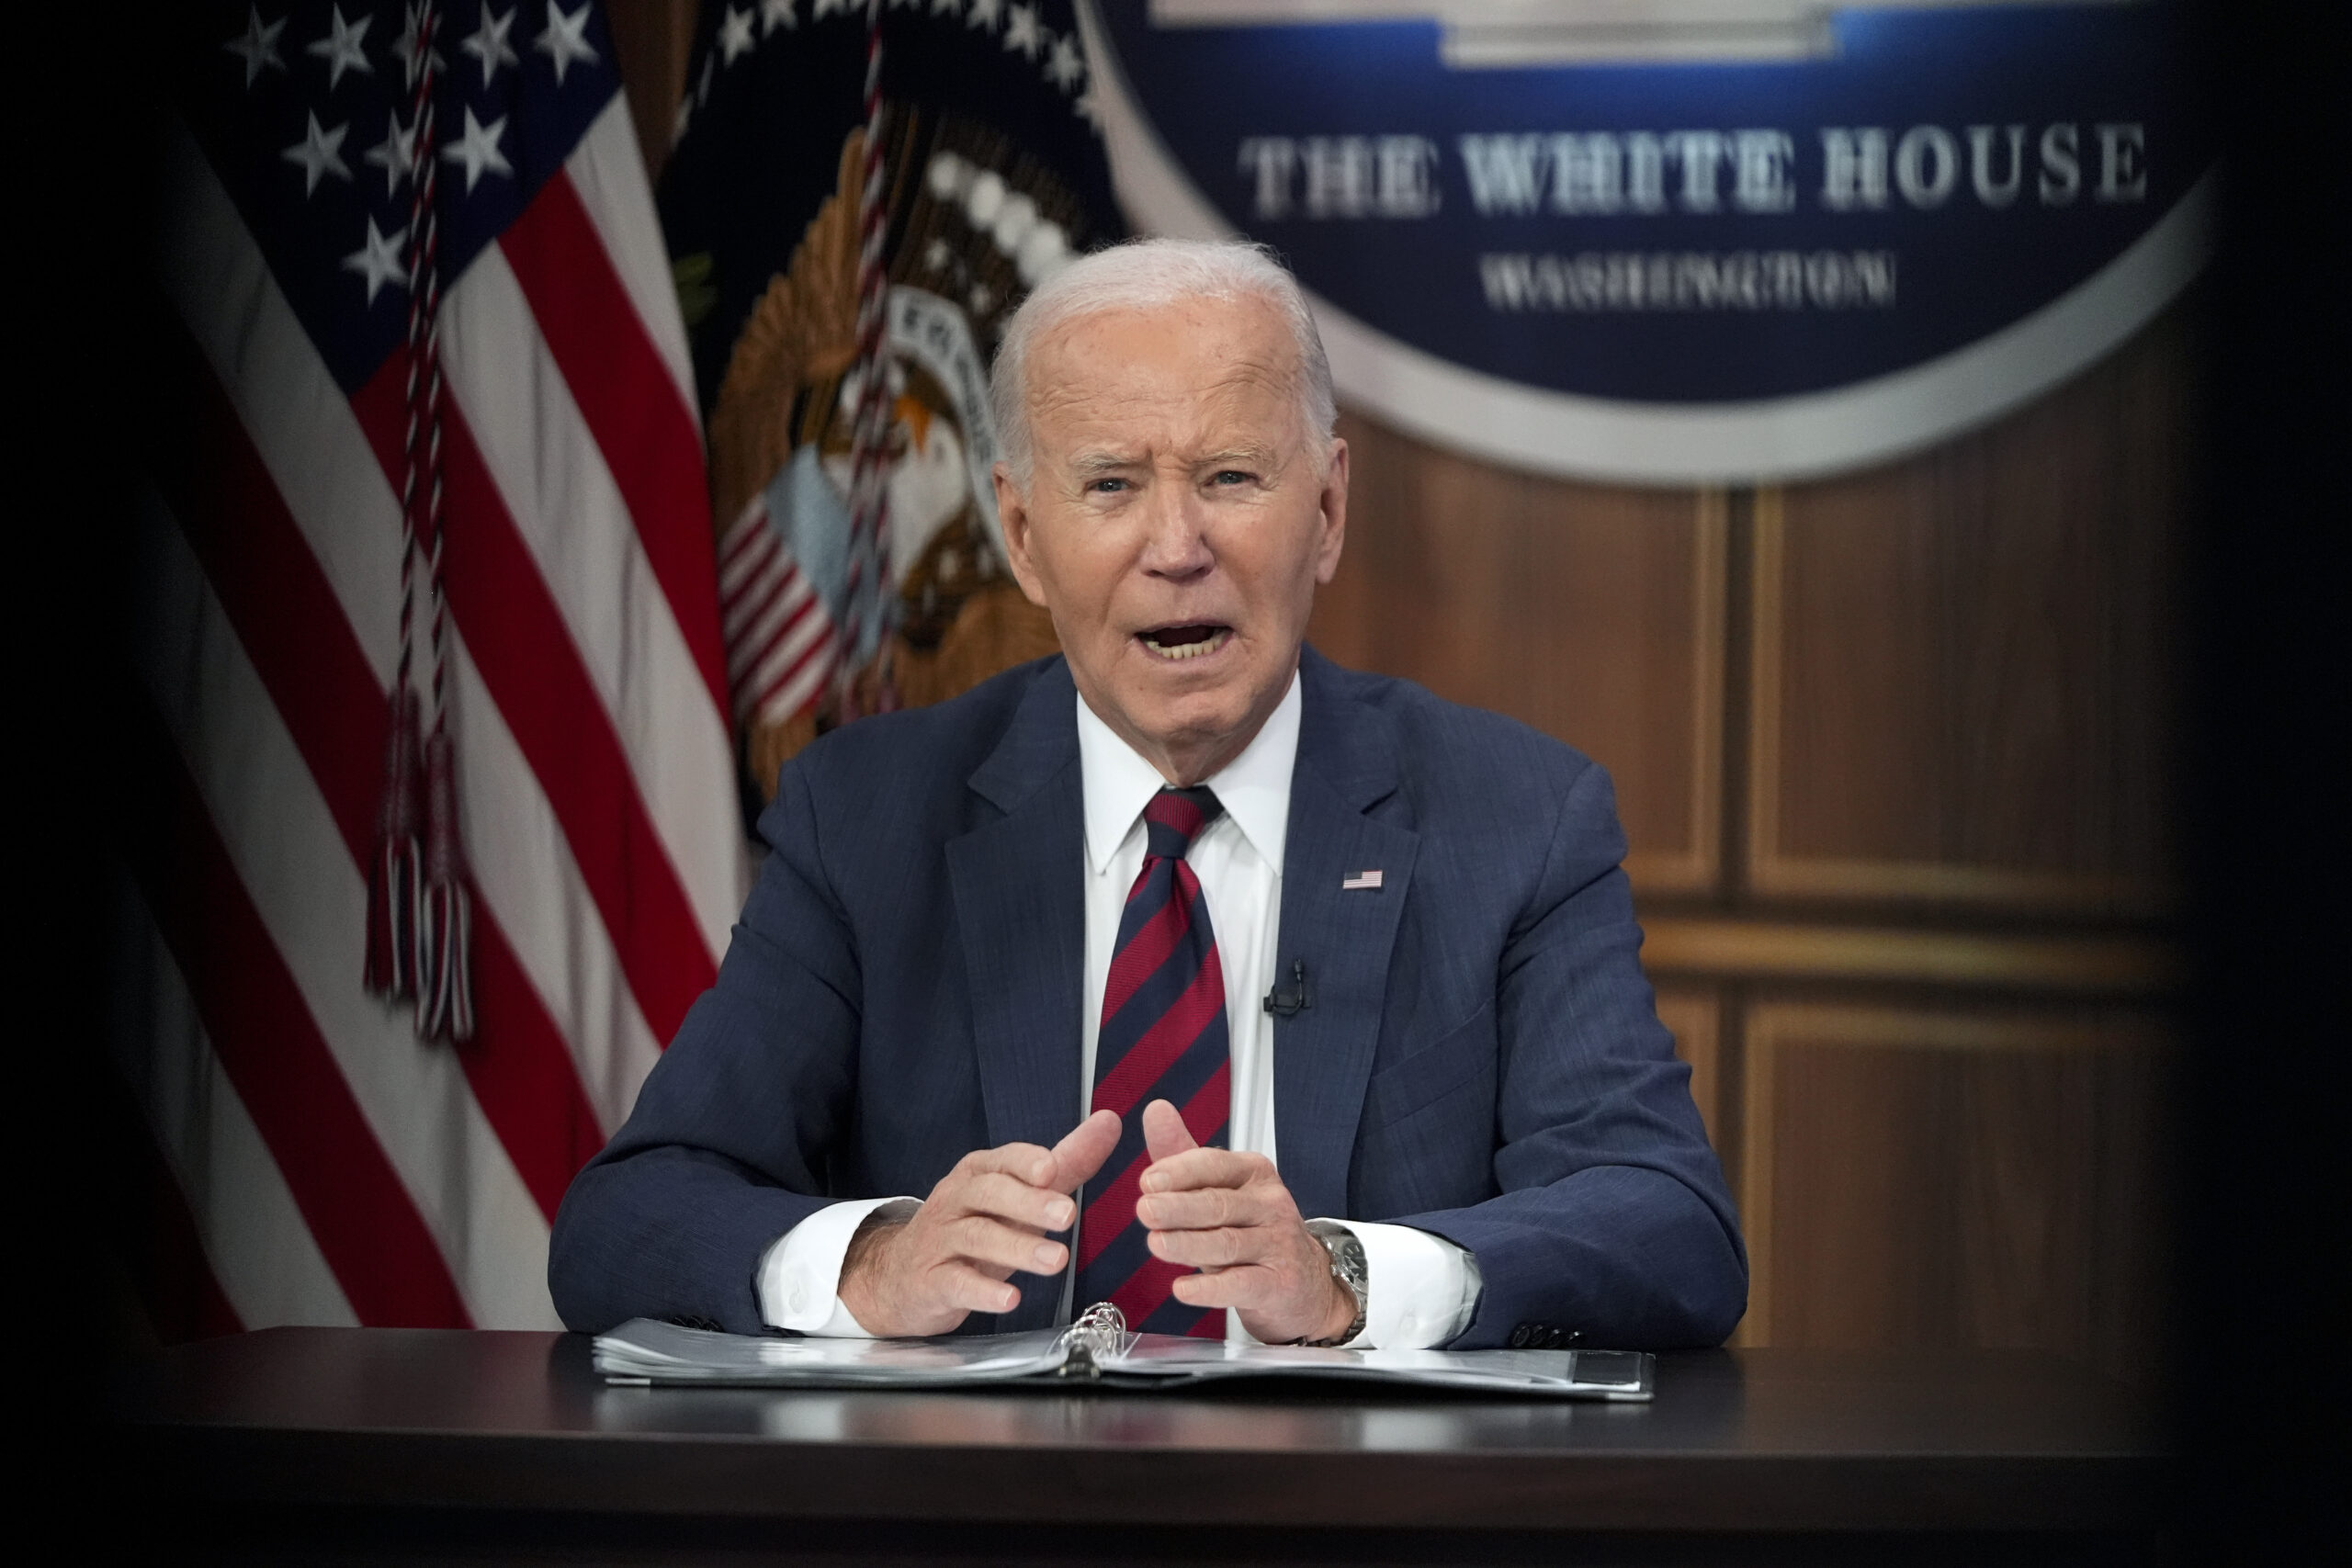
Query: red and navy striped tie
1163, 1038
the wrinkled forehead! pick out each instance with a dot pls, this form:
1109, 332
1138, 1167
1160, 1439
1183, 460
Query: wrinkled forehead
1188, 369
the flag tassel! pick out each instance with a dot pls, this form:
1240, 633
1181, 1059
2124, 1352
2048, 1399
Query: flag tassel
396, 862
444, 992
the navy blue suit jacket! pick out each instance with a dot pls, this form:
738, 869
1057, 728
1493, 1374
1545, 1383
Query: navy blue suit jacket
1482, 1058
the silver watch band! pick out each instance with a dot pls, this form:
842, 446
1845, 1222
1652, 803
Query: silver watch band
1349, 1266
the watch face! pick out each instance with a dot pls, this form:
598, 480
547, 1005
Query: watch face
1347, 1262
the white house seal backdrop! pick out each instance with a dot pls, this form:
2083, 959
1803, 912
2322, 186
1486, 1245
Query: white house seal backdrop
1678, 240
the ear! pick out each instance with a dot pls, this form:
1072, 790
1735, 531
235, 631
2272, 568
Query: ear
1334, 503
1012, 514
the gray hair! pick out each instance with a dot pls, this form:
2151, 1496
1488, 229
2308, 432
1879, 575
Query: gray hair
1139, 275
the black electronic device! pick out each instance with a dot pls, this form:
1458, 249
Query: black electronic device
1292, 997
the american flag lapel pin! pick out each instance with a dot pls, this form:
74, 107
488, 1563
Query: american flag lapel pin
1361, 879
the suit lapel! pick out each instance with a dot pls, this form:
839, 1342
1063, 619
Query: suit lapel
1323, 1056
1019, 909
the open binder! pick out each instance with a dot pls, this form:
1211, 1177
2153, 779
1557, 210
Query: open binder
1097, 1348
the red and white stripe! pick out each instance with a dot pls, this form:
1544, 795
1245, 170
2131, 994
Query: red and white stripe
334, 1168
782, 647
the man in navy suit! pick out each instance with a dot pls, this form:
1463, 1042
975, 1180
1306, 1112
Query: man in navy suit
1346, 973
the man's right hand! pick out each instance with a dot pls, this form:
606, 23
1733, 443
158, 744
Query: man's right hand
986, 1219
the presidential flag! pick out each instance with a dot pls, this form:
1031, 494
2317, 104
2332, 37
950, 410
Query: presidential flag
437, 837
861, 194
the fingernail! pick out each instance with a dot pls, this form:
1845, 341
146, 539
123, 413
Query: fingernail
1049, 1254
1060, 1215
1147, 1211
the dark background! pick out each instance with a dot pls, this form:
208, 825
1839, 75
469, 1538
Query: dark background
2263, 1239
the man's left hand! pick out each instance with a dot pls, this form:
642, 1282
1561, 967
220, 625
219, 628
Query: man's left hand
1229, 1215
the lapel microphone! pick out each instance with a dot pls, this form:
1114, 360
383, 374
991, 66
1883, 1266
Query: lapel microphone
1292, 997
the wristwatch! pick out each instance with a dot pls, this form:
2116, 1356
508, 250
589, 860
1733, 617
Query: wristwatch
1348, 1267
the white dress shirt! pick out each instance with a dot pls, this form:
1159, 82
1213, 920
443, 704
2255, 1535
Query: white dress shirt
1422, 1288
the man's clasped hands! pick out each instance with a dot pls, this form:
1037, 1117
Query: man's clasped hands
1225, 1213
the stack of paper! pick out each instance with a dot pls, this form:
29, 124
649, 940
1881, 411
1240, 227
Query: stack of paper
645, 1352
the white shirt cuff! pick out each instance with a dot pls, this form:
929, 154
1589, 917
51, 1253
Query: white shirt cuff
1420, 1290
800, 1274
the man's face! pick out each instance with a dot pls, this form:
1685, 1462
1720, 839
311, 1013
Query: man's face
1177, 520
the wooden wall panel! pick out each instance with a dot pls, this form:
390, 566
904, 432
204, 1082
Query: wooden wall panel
1962, 662
1932, 1177
1594, 614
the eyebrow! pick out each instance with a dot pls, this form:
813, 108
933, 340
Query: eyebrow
1254, 456
1102, 462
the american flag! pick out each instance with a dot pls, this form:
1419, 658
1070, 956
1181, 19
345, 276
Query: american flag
331, 1164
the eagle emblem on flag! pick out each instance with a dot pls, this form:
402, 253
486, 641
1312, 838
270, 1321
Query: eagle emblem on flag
859, 198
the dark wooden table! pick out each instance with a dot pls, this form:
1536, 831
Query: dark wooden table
381, 1445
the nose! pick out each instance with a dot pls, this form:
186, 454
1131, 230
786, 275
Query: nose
1176, 542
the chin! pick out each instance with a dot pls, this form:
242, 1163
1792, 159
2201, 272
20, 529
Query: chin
1198, 718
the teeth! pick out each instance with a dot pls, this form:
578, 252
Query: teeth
1209, 644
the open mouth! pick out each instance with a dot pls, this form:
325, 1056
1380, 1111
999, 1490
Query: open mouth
1186, 641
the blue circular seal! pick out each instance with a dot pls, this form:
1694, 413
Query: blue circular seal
1643, 243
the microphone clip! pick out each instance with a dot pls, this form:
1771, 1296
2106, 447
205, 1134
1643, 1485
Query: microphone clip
1292, 997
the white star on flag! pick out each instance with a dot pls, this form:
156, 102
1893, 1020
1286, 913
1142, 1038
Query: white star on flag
340, 48
1022, 32
395, 155
827, 7
258, 48
378, 259
489, 44
735, 39
985, 14
319, 153
411, 59
477, 150
1064, 68
947, 7
775, 14
565, 40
